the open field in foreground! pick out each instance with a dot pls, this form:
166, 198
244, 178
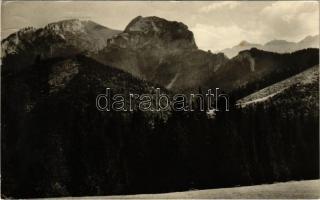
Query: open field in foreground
309, 189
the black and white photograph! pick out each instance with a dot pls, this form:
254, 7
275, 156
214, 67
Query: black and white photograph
160, 100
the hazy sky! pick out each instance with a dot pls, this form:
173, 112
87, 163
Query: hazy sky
216, 25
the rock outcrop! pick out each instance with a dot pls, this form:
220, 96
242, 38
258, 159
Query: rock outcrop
161, 51
63, 38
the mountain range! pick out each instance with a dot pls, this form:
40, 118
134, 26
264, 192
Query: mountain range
63, 38
279, 46
150, 48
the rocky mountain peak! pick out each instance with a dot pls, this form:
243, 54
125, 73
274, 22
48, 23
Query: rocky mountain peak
277, 42
244, 43
71, 25
154, 24
75, 26
310, 38
310, 41
66, 37
146, 45
156, 28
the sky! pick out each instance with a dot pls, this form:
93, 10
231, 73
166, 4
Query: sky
216, 25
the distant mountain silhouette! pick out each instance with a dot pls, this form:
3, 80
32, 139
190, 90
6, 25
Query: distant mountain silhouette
278, 46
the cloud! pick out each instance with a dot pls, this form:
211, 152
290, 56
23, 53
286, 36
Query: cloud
214, 6
216, 25
257, 22
291, 20
217, 38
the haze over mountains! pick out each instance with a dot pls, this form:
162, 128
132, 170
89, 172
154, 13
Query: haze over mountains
56, 143
279, 46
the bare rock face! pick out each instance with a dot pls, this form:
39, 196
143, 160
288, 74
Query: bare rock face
87, 35
160, 51
154, 31
14, 42
145, 43
246, 56
166, 34
61, 38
